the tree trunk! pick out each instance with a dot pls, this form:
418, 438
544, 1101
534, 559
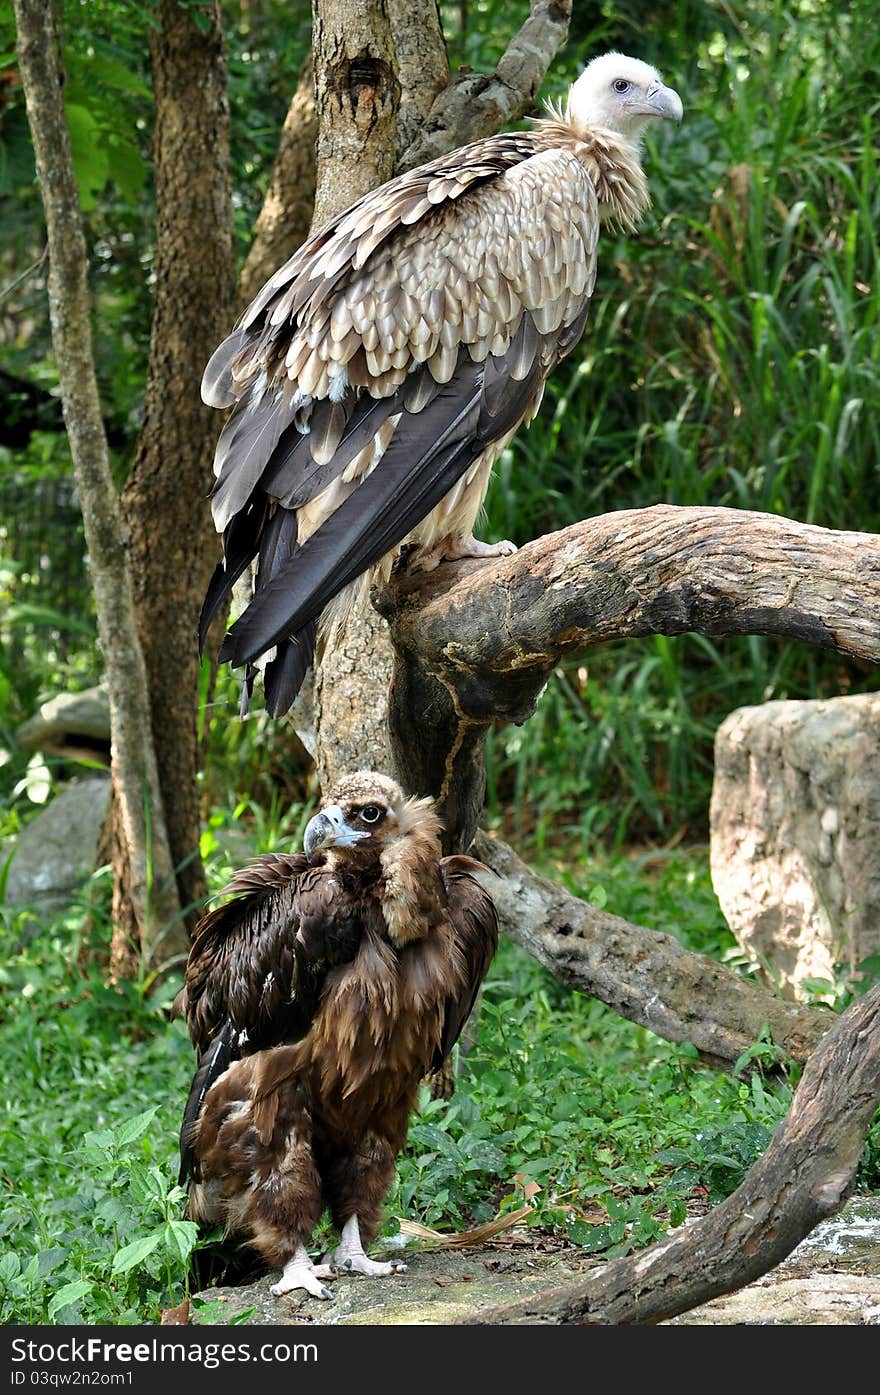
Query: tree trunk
805, 1175
286, 215
173, 544
378, 71
151, 896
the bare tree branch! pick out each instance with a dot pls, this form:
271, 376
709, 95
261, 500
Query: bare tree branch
477, 641
645, 975
152, 887
805, 1175
661, 570
474, 105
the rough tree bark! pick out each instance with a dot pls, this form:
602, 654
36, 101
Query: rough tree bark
476, 642
474, 105
173, 545
285, 218
806, 1173
357, 94
152, 894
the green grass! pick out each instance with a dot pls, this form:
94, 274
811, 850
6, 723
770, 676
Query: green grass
633, 1132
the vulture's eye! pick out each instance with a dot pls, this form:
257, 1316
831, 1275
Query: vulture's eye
620, 85
371, 813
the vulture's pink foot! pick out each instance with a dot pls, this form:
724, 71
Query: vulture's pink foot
472, 547
373, 1268
300, 1272
349, 1257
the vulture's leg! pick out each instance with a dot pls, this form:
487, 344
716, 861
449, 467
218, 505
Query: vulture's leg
300, 1272
355, 1185
349, 1257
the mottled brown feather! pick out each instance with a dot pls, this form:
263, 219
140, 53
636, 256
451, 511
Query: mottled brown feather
319, 1120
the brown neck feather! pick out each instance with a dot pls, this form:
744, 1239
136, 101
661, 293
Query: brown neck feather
410, 896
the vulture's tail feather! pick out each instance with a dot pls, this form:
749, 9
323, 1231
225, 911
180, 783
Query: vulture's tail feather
284, 676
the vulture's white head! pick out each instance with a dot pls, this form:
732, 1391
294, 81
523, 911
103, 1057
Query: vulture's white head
620, 94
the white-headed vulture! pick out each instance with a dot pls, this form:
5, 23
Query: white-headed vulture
318, 997
379, 374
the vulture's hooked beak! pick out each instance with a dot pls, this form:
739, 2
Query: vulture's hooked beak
665, 101
328, 829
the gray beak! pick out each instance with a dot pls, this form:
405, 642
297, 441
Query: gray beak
665, 101
328, 829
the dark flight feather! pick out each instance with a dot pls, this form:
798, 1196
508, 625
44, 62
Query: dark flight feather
255, 960
294, 477
241, 543
212, 1063
428, 454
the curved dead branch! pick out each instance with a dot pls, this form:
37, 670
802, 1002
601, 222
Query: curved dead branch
805, 1175
475, 642
644, 975
662, 570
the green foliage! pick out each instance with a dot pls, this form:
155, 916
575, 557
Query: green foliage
633, 1133
91, 1222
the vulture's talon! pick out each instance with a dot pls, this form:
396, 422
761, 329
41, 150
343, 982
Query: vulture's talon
300, 1272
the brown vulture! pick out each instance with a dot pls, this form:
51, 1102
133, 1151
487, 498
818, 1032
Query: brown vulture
318, 998
379, 374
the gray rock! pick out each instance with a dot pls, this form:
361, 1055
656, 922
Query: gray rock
73, 725
795, 834
56, 851
831, 1279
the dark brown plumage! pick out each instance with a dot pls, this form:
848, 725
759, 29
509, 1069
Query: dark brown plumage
318, 998
379, 374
